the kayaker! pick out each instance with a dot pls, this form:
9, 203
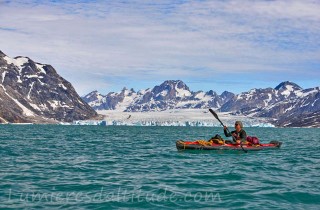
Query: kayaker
239, 134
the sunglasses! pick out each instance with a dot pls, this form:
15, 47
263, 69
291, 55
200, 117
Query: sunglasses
236, 124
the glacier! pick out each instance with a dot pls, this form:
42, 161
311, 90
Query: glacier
176, 117
182, 123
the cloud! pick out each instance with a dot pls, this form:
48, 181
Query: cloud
150, 41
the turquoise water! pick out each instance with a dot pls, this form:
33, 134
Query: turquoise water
93, 167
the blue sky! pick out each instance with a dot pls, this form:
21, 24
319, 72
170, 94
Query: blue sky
210, 45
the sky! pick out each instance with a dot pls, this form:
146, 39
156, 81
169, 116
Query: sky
210, 45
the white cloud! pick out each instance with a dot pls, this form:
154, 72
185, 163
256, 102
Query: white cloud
141, 40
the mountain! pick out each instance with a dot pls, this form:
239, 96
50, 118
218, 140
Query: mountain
171, 94
288, 86
35, 92
111, 101
286, 105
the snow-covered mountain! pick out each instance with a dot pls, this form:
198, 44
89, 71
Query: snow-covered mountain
286, 105
257, 99
171, 94
34, 92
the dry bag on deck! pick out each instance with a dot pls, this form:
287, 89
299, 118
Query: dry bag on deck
253, 140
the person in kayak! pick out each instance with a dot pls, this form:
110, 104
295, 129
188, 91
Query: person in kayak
239, 135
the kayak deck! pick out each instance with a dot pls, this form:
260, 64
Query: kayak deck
204, 145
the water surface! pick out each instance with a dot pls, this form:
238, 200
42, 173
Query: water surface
93, 167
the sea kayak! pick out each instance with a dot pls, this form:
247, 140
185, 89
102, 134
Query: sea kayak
205, 145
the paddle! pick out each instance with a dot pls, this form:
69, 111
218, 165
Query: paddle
234, 138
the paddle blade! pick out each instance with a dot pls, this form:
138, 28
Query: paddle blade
214, 114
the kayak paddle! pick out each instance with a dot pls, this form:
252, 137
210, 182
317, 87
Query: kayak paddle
234, 138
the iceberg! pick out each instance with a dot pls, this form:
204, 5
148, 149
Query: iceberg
90, 122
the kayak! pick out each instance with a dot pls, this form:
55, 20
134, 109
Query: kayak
205, 145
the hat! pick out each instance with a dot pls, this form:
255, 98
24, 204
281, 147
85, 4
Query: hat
239, 123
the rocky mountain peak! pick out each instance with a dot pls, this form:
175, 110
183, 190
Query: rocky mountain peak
94, 95
171, 89
211, 93
174, 84
226, 94
2, 54
126, 92
34, 92
287, 85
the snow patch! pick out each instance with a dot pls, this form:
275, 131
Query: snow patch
163, 93
253, 91
43, 107
3, 75
99, 97
80, 102
312, 91
239, 97
127, 100
142, 92
57, 104
299, 93
4, 120
35, 106
19, 62
314, 102
41, 82
303, 105
203, 97
30, 90
62, 86
19, 79
25, 110
266, 102
40, 68
95, 103
200, 95
290, 108
182, 93
31, 76
54, 104
290, 88
5, 90
286, 93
